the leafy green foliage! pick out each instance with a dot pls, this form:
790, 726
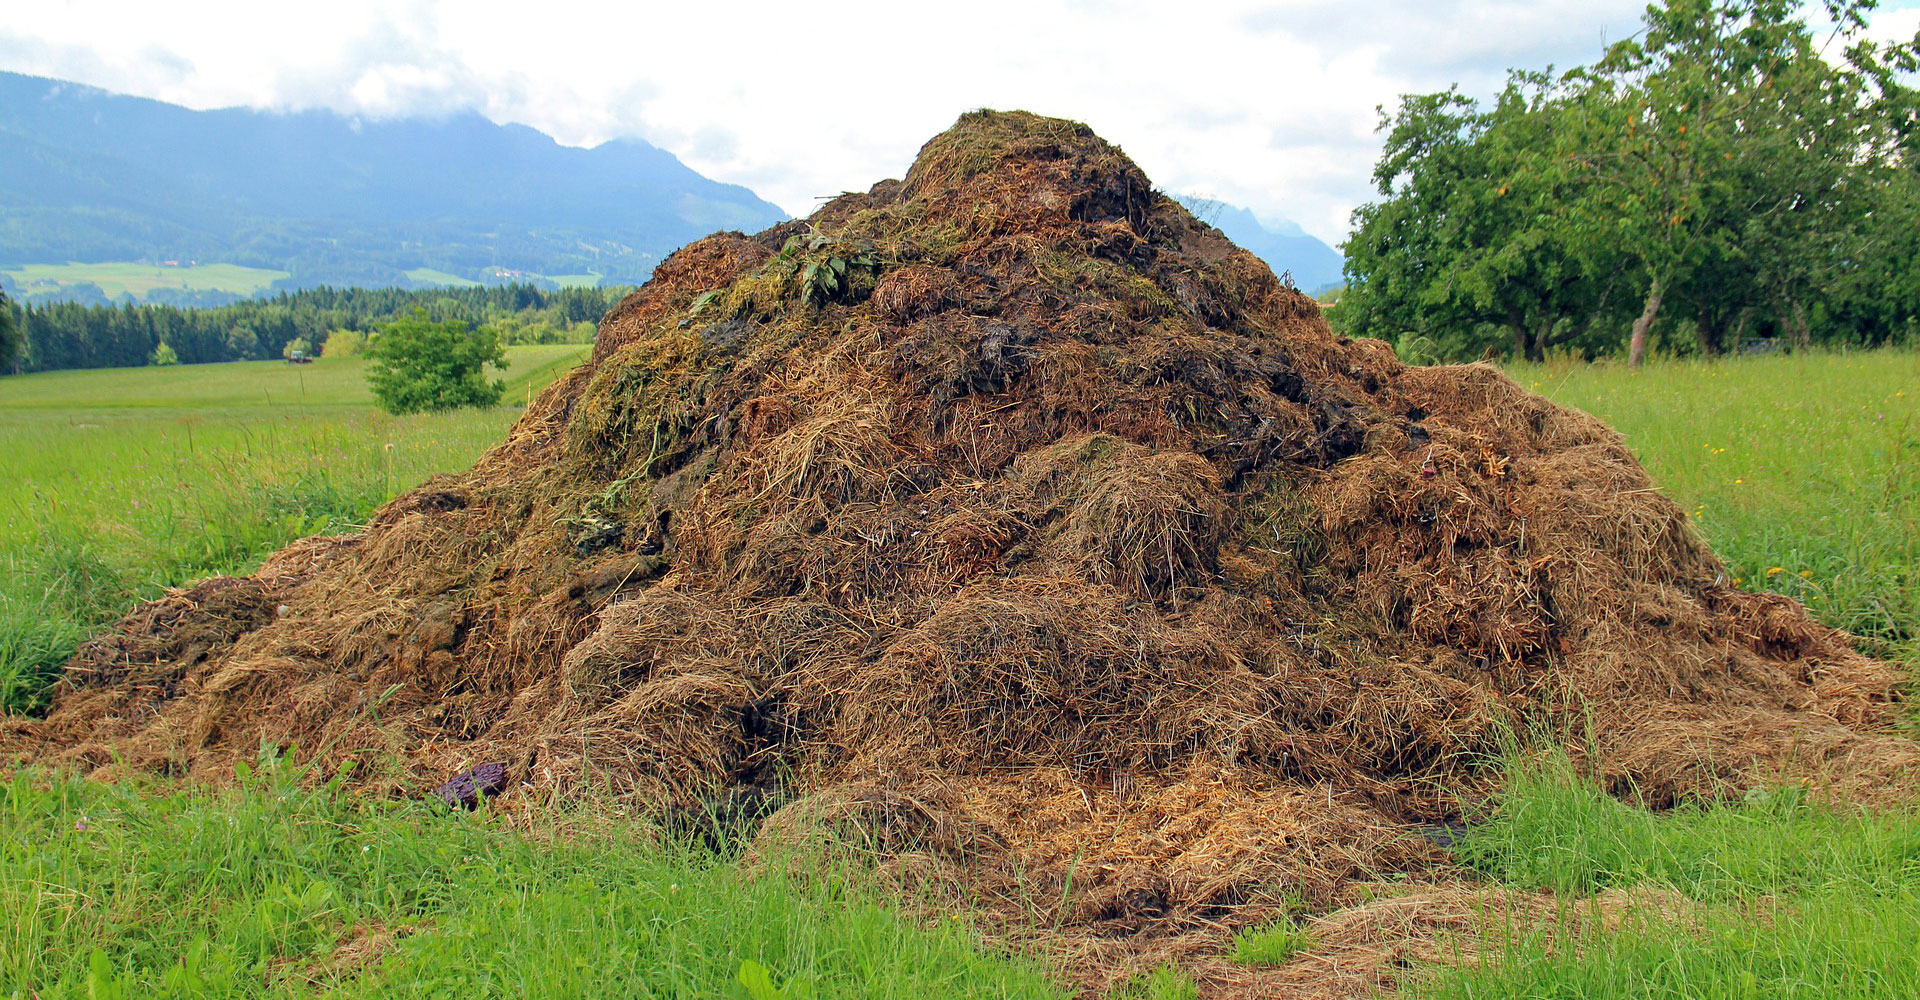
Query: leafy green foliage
12, 337
419, 365
825, 269
344, 344
1470, 246
66, 335
1723, 163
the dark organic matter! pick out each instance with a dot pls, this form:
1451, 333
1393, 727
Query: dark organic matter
466, 789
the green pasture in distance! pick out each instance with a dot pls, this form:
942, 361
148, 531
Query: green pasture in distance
243, 384
432, 276
111, 449
138, 279
123, 481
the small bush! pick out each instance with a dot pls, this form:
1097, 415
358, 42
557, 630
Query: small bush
343, 344
420, 365
164, 355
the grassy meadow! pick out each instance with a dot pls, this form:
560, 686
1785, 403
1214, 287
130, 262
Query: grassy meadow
271, 889
123, 481
137, 279
1768, 897
1803, 471
435, 276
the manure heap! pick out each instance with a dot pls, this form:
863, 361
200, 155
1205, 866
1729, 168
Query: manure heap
1012, 516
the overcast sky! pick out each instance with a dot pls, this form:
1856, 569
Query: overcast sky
1267, 105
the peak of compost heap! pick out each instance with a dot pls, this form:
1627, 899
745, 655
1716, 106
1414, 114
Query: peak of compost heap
1011, 515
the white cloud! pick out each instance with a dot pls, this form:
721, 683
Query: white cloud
1268, 105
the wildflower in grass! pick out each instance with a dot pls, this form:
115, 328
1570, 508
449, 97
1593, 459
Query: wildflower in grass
1806, 574
1776, 571
80, 825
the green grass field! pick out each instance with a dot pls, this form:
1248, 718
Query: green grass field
1803, 471
430, 275
124, 481
273, 890
136, 279
1769, 897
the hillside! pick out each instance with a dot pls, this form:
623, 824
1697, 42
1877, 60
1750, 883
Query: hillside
91, 176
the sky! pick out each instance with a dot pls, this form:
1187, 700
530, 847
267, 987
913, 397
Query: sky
1267, 105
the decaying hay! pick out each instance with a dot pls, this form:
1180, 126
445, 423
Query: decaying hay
1013, 517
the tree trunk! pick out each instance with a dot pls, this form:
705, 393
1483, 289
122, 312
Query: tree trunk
1707, 326
1739, 331
1798, 332
1637, 345
1519, 339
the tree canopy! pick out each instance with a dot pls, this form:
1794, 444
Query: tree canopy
12, 339
1725, 159
418, 364
67, 335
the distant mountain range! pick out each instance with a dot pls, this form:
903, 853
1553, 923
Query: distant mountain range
94, 177
86, 175
1285, 247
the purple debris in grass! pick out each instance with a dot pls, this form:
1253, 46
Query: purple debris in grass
467, 788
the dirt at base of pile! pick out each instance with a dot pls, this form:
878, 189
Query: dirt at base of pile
1011, 515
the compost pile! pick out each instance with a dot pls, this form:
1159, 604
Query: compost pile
1014, 517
